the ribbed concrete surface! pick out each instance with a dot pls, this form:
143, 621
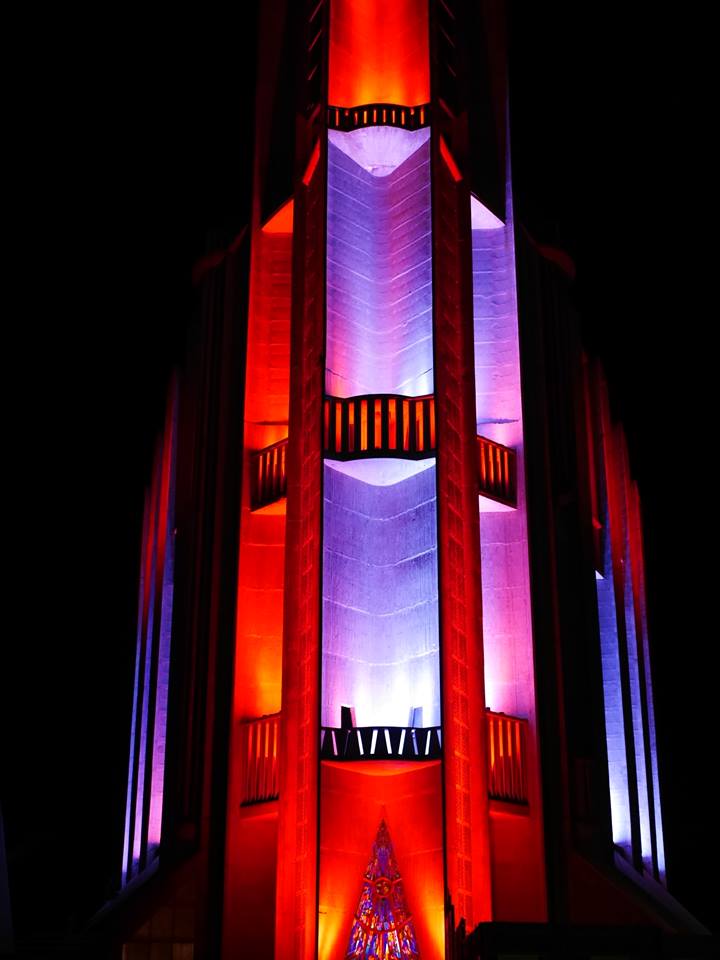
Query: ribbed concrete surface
379, 274
380, 599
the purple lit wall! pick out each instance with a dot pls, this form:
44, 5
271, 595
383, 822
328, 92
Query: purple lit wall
507, 631
612, 692
146, 769
137, 693
146, 657
380, 578
167, 516
379, 272
627, 686
380, 593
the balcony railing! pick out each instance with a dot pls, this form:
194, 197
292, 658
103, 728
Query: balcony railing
497, 472
382, 425
379, 425
378, 115
380, 743
259, 744
507, 752
268, 475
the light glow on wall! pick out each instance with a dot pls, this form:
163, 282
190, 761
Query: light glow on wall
380, 592
260, 589
262, 532
379, 150
146, 769
166, 563
379, 53
137, 693
382, 472
282, 220
612, 695
634, 665
507, 631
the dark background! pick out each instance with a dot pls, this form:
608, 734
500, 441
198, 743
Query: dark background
141, 164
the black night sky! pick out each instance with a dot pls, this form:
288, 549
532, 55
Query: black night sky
146, 164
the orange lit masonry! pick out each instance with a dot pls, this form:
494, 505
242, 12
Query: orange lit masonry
146, 769
378, 53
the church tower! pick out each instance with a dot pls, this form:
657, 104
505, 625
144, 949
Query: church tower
393, 693
384, 437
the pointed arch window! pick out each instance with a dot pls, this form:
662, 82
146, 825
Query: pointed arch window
383, 927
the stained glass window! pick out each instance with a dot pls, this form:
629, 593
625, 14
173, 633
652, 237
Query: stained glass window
382, 929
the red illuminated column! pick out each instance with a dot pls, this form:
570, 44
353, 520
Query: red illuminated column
463, 700
295, 929
378, 53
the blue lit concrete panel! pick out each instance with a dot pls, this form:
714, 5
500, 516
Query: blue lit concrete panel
380, 595
507, 625
614, 722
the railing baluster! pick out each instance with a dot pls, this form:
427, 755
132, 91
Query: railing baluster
507, 773
405, 743
377, 114
259, 747
497, 468
379, 425
268, 474
386, 425
506, 749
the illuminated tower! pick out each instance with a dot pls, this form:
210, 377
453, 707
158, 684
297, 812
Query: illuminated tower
413, 607
385, 671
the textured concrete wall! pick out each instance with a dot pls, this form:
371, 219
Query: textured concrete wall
379, 272
380, 598
507, 630
517, 842
614, 723
261, 572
